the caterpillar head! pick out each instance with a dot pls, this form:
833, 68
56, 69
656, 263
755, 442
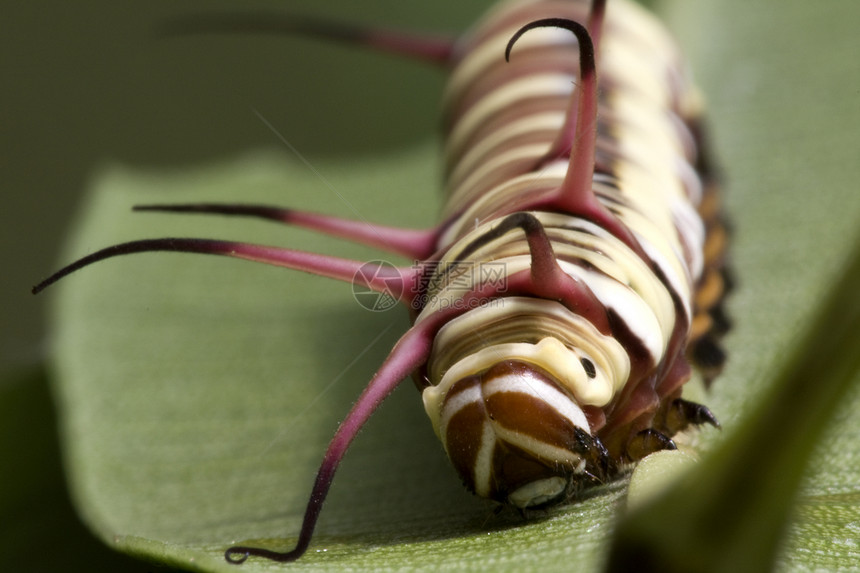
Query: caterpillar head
515, 434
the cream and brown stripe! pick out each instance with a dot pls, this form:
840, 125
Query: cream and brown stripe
516, 355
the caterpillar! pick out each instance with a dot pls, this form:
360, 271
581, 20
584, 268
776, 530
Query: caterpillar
579, 269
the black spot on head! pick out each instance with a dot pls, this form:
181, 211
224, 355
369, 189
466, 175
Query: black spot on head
590, 370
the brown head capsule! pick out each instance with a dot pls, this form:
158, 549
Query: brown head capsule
516, 436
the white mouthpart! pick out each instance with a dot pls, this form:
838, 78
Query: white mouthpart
538, 492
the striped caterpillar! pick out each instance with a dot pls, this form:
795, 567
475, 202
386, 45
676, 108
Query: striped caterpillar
578, 269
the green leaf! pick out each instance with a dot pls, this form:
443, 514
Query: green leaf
197, 394
735, 505
199, 397
39, 530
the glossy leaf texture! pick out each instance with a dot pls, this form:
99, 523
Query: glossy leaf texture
197, 394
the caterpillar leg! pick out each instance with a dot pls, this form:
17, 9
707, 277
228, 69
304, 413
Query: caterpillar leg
433, 49
682, 413
647, 442
414, 243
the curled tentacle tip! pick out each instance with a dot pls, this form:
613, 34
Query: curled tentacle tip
513, 41
236, 555
564, 23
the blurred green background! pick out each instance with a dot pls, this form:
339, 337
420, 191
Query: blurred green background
89, 82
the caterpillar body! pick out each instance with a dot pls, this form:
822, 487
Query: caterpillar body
577, 273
